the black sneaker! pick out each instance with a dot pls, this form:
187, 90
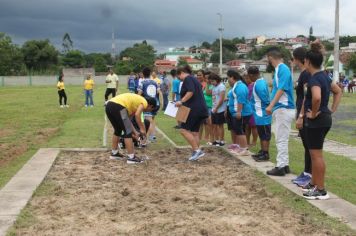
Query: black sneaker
222, 143
134, 160
277, 172
260, 152
308, 187
316, 194
177, 127
286, 169
262, 157
118, 156
216, 144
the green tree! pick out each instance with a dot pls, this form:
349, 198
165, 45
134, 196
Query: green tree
227, 44
226, 56
328, 45
123, 68
74, 59
206, 45
182, 62
352, 62
11, 59
39, 54
67, 43
140, 56
346, 40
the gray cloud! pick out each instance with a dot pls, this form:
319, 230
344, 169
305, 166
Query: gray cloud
166, 23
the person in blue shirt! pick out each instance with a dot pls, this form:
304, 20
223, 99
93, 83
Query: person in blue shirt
131, 83
149, 88
317, 118
240, 110
283, 109
260, 100
176, 85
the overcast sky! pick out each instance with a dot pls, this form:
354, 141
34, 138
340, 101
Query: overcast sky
166, 23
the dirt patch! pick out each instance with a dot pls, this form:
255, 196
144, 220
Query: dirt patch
165, 196
11, 151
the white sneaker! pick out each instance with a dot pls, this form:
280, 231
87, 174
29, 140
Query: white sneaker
61, 106
196, 155
242, 152
86, 105
67, 105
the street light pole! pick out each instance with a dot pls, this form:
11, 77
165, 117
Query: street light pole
221, 32
336, 44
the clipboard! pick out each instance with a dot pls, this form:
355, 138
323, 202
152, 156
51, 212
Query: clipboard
182, 114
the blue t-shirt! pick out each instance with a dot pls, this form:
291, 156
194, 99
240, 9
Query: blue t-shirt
240, 96
197, 102
216, 97
131, 83
323, 81
282, 80
149, 88
176, 84
260, 100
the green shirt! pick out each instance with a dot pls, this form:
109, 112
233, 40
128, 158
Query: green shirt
208, 98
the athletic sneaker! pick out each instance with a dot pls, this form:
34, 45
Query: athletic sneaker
118, 156
209, 143
276, 171
61, 106
216, 144
286, 169
262, 157
222, 143
302, 179
196, 155
233, 146
134, 160
260, 152
308, 187
66, 105
242, 152
316, 194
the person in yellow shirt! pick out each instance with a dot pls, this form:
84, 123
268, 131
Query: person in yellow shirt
119, 111
61, 93
88, 90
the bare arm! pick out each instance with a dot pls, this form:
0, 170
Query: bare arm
138, 119
274, 101
336, 97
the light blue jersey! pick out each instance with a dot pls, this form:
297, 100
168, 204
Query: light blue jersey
240, 96
282, 80
260, 100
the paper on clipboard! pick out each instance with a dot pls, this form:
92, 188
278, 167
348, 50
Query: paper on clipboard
171, 110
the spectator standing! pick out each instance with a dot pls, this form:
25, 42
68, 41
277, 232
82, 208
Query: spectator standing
61, 92
131, 85
283, 109
165, 89
88, 90
112, 84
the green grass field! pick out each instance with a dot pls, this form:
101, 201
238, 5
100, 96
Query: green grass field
31, 119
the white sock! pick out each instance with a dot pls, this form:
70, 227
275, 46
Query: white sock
114, 151
131, 156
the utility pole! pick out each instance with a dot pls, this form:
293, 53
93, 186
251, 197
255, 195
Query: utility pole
221, 35
113, 46
336, 44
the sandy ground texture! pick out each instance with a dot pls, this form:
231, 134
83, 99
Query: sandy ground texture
92, 195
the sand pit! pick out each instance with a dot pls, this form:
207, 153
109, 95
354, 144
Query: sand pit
88, 194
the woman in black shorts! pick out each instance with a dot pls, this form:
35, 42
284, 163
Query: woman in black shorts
317, 120
192, 96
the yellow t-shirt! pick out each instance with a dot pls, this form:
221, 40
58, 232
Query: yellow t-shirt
157, 80
130, 101
60, 85
88, 84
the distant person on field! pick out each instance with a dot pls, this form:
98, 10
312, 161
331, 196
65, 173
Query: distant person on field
112, 84
282, 109
120, 110
193, 98
260, 100
165, 89
88, 90
131, 82
176, 86
61, 93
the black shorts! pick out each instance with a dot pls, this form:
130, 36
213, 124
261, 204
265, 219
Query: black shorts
229, 120
119, 119
193, 122
264, 132
239, 126
218, 118
314, 137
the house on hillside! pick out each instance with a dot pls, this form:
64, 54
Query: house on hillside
175, 55
165, 65
261, 64
236, 65
260, 39
195, 64
349, 49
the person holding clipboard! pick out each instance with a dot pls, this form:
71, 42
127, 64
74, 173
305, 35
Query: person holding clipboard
192, 97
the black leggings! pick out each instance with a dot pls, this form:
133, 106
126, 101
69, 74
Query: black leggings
62, 94
307, 158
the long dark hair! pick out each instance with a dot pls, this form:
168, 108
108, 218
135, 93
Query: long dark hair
235, 75
299, 54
